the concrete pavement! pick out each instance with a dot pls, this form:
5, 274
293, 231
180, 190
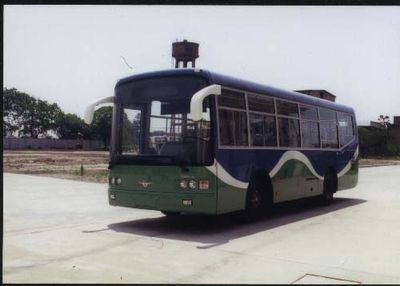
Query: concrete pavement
65, 231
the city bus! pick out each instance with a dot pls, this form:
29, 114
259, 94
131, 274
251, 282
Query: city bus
191, 141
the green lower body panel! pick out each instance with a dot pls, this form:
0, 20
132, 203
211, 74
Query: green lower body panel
230, 198
158, 188
350, 179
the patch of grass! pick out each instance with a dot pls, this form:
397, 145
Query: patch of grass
100, 176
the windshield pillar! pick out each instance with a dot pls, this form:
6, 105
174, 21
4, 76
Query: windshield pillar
115, 134
145, 127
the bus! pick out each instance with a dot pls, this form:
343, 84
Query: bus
191, 141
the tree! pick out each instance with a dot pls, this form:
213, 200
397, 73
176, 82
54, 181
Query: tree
15, 105
26, 115
43, 117
70, 126
101, 124
384, 121
371, 141
10, 125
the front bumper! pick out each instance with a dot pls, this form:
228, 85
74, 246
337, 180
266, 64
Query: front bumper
202, 203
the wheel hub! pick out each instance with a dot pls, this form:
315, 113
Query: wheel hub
256, 199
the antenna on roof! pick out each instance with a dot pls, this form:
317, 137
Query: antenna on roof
126, 62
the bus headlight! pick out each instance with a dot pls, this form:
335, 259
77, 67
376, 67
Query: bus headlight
192, 184
115, 180
183, 184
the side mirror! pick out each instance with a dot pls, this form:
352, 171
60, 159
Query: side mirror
196, 103
89, 111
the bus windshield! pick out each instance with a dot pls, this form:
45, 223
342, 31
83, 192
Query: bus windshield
159, 130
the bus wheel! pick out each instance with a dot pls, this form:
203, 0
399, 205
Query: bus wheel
257, 201
330, 187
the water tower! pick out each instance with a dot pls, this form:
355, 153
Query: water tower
185, 52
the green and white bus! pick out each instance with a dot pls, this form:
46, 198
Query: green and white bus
194, 141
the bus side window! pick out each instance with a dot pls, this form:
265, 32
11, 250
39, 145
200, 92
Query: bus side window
230, 98
346, 131
262, 120
328, 128
262, 130
288, 124
232, 128
309, 127
260, 103
310, 134
287, 108
226, 128
289, 132
232, 118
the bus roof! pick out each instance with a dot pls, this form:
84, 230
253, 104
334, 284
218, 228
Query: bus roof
228, 81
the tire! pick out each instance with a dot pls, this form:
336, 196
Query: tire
330, 187
258, 200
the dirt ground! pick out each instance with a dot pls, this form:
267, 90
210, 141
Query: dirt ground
61, 164
67, 164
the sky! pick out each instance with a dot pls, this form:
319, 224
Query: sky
72, 55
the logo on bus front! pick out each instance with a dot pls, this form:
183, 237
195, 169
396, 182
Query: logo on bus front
145, 184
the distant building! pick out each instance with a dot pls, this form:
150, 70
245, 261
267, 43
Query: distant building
396, 121
320, 93
375, 124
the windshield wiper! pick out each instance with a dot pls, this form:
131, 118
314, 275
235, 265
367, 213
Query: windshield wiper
194, 137
126, 159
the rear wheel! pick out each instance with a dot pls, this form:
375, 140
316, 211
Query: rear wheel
330, 187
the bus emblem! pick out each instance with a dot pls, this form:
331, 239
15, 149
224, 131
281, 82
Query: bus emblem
145, 184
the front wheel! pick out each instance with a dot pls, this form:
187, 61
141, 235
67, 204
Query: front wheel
257, 203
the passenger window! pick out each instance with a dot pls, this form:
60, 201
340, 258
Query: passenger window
289, 132
230, 98
327, 114
310, 134
345, 125
287, 108
329, 138
232, 128
308, 112
262, 130
260, 103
